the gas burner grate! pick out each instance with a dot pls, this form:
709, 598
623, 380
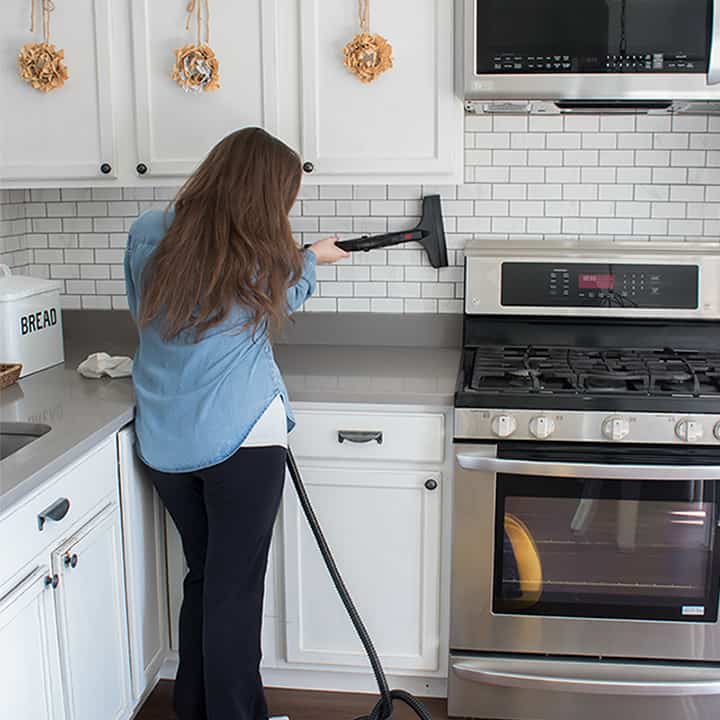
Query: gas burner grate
591, 371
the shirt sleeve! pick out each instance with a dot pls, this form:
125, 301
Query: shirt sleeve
129, 282
305, 286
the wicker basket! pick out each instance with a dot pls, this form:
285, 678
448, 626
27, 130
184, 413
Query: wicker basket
9, 374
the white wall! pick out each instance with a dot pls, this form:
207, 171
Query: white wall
650, 178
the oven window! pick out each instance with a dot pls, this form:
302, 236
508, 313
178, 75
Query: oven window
606, 548
592, 35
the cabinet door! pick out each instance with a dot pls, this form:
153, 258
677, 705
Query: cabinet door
144, 544
30, 686
68, 132
177, 569
384, 529
407, 124
92, 620
175, 129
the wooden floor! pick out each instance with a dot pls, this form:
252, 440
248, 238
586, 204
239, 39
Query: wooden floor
298, 704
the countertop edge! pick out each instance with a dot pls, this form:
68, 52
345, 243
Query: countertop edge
33, 483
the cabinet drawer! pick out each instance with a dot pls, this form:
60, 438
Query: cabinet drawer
84, 485
401, 436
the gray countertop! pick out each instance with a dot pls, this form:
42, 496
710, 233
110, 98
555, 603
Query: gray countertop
81, 412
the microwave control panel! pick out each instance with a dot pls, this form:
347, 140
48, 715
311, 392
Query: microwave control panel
508, 63
527, 284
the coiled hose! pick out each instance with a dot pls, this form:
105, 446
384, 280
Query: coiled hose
383, 710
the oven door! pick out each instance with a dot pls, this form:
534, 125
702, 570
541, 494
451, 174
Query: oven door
586, 550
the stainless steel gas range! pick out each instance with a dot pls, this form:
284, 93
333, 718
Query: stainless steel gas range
586, 550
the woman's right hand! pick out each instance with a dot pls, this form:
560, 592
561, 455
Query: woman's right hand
326, 251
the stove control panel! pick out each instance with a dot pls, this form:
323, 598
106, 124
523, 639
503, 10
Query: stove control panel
612, 285
586, 426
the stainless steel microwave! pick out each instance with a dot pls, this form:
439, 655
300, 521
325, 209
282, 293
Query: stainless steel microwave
646, 54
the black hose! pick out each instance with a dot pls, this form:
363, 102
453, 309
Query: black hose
383, 710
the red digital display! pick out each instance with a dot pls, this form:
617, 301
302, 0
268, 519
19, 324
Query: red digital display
591, 281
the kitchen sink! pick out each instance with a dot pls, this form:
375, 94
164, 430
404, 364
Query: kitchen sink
16, 435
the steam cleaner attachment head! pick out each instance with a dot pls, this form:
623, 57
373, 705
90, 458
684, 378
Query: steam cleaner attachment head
430, 233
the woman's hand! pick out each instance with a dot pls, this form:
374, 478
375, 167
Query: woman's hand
326, 251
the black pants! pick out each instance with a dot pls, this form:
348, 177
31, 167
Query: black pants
225, 515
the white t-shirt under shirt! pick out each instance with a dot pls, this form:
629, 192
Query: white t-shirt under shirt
270, 428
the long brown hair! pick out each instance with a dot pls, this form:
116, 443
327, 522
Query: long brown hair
230, 241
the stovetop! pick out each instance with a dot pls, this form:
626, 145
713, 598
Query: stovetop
563, 377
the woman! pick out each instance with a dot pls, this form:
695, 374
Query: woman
207, 283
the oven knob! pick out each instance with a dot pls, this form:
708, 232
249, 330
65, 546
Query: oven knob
616, 428
503, 425
689, 430
542, 427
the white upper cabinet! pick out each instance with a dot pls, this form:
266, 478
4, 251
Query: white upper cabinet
175, 129
406, 125
65, 134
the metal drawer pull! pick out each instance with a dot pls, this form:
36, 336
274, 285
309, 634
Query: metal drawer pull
70, 561
360, 436
472, 461
620, 680
56, 512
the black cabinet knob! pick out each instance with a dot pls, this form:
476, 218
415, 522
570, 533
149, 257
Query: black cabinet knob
431, 484
141, 168
308, 167
71, 560
52, 581
106, 168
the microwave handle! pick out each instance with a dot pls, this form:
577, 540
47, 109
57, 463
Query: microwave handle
713, 76
650, 682
482, 463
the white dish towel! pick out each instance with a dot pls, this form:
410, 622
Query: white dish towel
99, 364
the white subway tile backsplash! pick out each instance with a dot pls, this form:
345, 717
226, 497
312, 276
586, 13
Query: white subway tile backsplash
386, 305
513, 226
336, 192
564, 141
616, 192
548, 124
672, 141
651, 192
503, 191
528, 174
621, 178
116, 193
598, 174
510, 123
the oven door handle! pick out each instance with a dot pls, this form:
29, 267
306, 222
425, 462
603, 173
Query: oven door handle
626, 679
713, 75
482, 463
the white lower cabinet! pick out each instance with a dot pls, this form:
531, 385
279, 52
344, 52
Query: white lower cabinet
92, 620
63, 616
30, 681
383, 526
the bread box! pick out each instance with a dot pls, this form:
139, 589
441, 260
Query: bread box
30, 322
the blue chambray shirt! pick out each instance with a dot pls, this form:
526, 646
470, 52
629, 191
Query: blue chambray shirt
196, 402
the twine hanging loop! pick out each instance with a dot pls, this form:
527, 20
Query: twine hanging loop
41, 64
367, 56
